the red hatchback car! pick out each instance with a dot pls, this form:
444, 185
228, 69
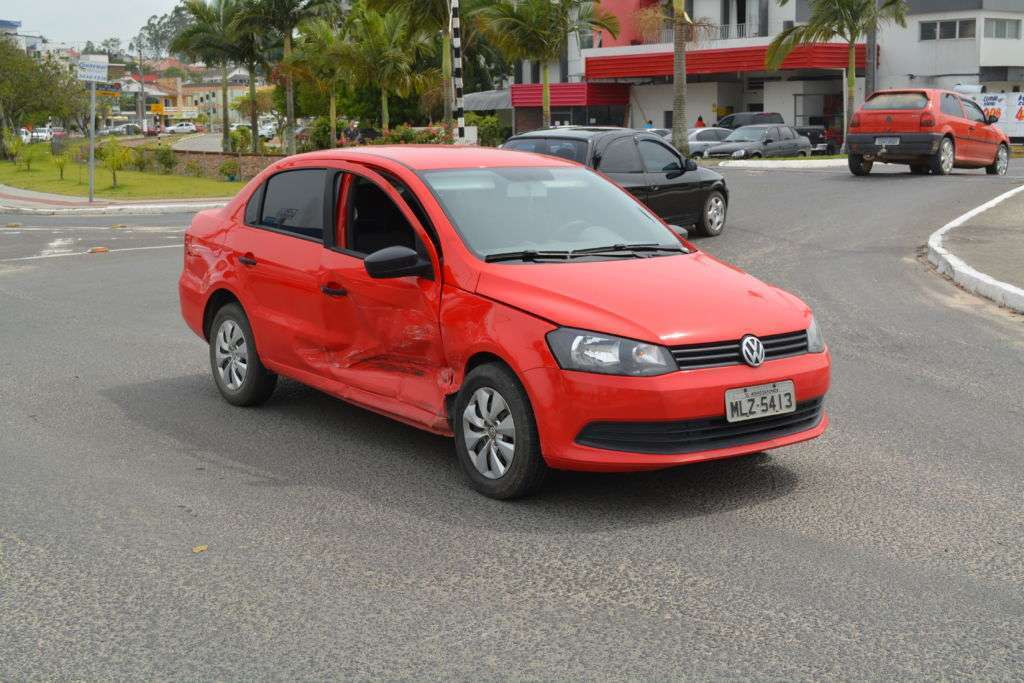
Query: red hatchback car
934, 131
521, 303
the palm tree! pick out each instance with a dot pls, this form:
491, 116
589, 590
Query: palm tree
381, 53
539, 30
846, 19
685, 31
283, 17
249, 47
320, 59
209, 37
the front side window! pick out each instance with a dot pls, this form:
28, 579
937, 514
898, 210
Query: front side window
498, 210
374, 222
294, 202
658, 158
973, 111
787, 133
747, 134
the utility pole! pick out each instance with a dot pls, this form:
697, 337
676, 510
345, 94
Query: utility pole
92, 140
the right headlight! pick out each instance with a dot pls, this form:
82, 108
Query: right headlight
607, 354
815, 341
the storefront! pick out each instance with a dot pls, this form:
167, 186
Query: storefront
581, 104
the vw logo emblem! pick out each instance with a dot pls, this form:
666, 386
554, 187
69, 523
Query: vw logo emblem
752, 350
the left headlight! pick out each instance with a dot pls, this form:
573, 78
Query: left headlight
815, 341
608, 354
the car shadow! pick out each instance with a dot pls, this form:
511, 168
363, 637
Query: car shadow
304, 437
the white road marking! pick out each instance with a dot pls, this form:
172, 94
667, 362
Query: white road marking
83, 253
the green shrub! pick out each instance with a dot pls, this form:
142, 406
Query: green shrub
60, 161
406, 135
241, 140
229, 169
165, 158
13, 145
116, 157
320, 132
490, 132
143, 158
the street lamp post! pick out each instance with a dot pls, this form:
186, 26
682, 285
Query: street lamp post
457, 70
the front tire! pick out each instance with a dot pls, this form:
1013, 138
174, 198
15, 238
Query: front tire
941, 163
712, 219
859, 166
1001, 162
496, 436
236, 366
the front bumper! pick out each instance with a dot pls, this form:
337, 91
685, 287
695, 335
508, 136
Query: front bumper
569, 406
911, 146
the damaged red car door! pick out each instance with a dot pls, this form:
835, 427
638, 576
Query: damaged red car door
380, 336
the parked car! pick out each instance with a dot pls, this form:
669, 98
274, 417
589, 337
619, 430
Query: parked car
749, 118
181, 127
26, 135
127, 129
699, 138
268, 131
58, 132
754, 142
566, 327
932, 131
823, 140
643, 163
41, 134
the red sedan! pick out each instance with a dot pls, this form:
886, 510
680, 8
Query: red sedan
521, 303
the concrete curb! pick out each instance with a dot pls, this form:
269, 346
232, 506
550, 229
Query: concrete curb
113, 210
785, 163
947, 263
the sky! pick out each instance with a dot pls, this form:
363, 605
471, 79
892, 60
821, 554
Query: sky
76, 21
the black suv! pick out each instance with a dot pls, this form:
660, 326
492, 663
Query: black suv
677, 189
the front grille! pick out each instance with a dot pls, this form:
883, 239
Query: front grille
728, 353
688, 436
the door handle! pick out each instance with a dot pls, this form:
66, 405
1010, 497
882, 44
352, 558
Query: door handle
334, 291
247, 260
655, 188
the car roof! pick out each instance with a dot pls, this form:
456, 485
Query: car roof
434, 157
763, 125
578, 132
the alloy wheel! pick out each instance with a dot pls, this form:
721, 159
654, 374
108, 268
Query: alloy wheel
232, 355
947, 155
489, 432
716, 214
1002, 160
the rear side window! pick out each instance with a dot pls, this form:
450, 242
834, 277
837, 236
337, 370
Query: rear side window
708, 135
573, 150
951, 106
294, 202
898, 100
621, 157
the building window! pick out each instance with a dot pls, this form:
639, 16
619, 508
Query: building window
1002, 28
947, 30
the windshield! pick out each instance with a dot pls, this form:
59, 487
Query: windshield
498, 210
746, 134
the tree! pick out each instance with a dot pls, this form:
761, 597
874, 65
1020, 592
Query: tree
845, 19
319, 59
382, 52
283, 17
115, 157
539, 29
250, 47
111, 46
210, 37
685, 31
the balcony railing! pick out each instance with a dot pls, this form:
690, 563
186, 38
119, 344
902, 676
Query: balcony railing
714, 33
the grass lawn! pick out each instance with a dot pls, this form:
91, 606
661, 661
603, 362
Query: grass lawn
45, 177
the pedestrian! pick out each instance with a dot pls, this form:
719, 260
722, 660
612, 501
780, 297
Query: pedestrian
352, 133
649, 124
700, 122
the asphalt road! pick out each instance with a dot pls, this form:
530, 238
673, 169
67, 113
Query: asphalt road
203, 142
342, 544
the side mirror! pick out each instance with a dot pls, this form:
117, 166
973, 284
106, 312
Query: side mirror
689, 164
992, 120
680, 230
396, 262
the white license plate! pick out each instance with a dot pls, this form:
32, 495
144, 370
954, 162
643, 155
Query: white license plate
762, 400
885, 142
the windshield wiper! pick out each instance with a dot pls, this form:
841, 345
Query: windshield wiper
632, 248
526, 255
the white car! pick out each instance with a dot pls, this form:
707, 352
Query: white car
26, 137
43, 133
268, 132
182, 127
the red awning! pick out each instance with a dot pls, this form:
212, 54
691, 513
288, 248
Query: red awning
726, 60
571, 94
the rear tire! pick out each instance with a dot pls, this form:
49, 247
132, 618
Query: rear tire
712, 217
496, 436
236, 366
859, 165
1001, 162
941, 163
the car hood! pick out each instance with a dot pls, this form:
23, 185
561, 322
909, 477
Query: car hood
673, 300
733, 146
